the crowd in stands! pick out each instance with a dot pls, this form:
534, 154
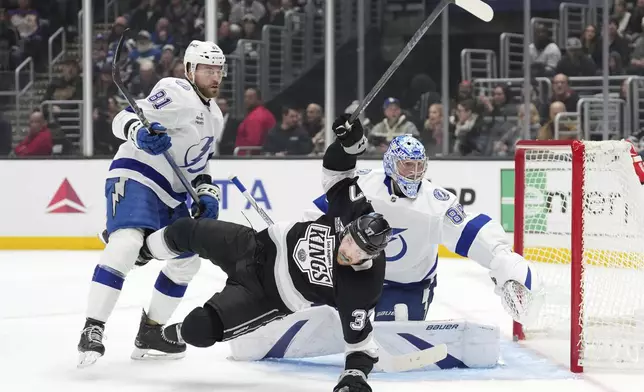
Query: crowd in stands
487, 123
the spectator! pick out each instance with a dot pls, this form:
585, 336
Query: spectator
165, 65
547, 132
622, 16
259, 120
288, 138
617, 44
500, 105
506, 143
635, 23
161, 36
245, 7
468, 130
636, 66
466, 92
182, 19
545, 54
38, 141
615, 66
274, 14
104, 86
9, 45
421, 94
589, 40
69, 86
313, 120
6, 136
250, 28
143, 83
105, 143
146, 15
225, 40
562, 92
575, 62
228, 136
178, 69
145, 49
26, 20
433, 130
99, 52
394, 124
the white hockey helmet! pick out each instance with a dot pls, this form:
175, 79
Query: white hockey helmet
204, 52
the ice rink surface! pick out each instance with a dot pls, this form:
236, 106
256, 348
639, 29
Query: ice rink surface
43, 299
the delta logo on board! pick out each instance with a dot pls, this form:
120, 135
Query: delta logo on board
65, 201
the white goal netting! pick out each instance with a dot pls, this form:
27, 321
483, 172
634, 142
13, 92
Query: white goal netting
611, 282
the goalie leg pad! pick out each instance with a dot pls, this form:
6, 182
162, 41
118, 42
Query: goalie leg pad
403, 302
469, 345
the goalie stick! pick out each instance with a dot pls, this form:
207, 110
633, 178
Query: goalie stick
116, 76
387, 362
475, 7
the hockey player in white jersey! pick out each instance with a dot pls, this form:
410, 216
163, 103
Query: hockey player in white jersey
422, 216
143, 194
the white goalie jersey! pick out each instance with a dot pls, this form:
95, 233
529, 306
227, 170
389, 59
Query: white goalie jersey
421, 224
193, 124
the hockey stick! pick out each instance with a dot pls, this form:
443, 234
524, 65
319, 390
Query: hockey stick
116, 76
475, 7
251, 200
412, 361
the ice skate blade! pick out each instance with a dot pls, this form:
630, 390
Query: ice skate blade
87, 358
146, 354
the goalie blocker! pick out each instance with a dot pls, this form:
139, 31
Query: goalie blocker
316, 332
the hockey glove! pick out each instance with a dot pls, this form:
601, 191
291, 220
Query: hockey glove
352, 380
154, 141
209, 198
351, 136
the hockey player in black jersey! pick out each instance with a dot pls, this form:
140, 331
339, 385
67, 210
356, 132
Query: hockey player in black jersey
336, 260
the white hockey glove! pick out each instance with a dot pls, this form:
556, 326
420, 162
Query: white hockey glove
518, 285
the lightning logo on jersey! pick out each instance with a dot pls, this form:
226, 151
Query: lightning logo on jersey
118, 194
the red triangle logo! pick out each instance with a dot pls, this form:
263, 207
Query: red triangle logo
66, 200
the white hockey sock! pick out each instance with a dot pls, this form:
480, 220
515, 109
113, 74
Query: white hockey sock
166, 296
104, 292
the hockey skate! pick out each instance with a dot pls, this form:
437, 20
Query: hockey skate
155, 342
90, 346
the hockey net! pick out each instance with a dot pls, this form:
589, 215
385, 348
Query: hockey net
579, 217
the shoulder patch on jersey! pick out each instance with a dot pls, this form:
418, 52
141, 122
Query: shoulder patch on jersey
362, 172
183, 84
456, 214
441, 194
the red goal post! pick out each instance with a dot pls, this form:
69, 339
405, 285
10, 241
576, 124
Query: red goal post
579, 218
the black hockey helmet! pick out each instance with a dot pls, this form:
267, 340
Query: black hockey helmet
371, 233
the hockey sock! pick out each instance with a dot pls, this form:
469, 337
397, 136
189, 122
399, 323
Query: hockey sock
104, 292
166, 296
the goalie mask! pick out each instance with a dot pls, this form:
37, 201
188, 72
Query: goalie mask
405, 162
363, 239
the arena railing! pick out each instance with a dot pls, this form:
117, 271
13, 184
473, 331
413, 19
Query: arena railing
574, 18
68, 114
50, 49
563, 123
478, 63
20, 76
484, 86
635, 94
591, 111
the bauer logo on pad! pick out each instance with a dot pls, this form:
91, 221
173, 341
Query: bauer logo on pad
65, 200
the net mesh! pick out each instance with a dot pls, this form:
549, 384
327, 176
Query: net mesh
612, 282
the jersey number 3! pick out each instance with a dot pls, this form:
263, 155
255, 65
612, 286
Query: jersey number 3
159, 99
359, 318
353, 193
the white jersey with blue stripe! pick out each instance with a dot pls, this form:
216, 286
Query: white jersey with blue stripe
421, 224
193, 124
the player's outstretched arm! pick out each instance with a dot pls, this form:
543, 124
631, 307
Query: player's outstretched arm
340, 157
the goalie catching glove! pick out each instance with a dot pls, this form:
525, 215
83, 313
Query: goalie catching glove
517, 284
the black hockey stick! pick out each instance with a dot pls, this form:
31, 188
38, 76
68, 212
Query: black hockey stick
116, 76
475, 7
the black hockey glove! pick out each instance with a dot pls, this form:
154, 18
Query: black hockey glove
352, 138
352, 381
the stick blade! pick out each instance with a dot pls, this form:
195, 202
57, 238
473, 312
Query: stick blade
412, 361
477, 8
